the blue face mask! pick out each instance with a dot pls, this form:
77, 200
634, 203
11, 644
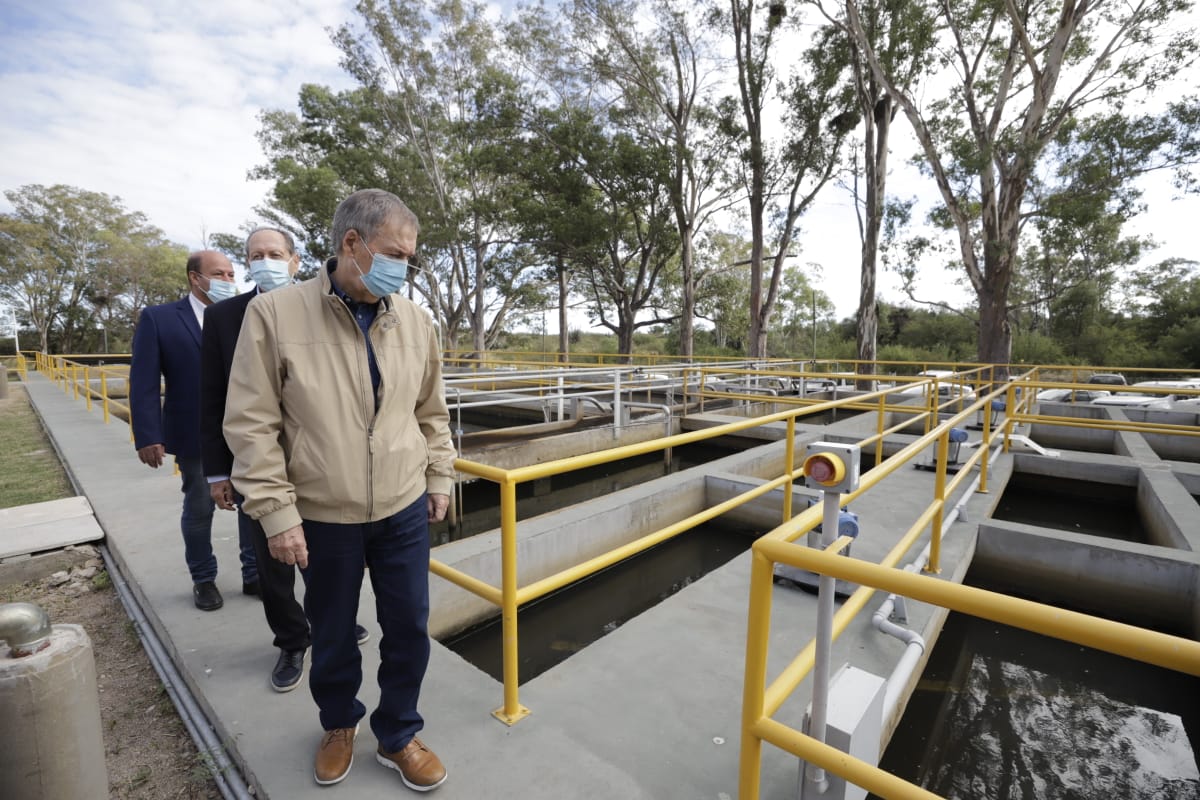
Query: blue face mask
270, 273
386, 275
219, 290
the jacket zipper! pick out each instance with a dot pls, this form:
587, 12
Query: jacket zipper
369, 408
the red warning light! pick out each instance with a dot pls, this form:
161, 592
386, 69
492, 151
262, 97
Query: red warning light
825, 468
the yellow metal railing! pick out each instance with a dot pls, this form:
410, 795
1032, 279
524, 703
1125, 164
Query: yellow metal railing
76, 378
510, 596
762, 700
1151, 647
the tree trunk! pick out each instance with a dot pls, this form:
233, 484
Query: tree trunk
687, 320
564, 337
995, 335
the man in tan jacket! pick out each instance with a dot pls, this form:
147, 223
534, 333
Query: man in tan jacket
341, 441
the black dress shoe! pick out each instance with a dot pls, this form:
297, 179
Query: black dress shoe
361, 635
252, 588
206, 596
288, 671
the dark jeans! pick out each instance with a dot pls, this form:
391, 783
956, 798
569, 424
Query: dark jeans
396, 550
196, 521
196, 524
277, 585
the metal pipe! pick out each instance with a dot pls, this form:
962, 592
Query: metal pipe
225, 774
25, 627
825, 596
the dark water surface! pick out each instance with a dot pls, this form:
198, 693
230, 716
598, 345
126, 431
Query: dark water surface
557, 626
1004, 714
1066, 504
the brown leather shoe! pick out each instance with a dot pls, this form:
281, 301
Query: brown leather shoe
419, 768
335, 755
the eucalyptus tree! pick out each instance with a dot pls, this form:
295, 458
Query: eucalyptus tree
1019, 71
640, 242
901, 33
781, 176
433, 119
70, 258
602, 175
663, 61
559, 213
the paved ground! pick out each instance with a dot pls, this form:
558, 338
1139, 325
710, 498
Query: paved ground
649, 712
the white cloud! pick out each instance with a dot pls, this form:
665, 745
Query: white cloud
156, 103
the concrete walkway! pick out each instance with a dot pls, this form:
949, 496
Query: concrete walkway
649, 712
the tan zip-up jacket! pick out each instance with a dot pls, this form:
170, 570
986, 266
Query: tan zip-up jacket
300, 416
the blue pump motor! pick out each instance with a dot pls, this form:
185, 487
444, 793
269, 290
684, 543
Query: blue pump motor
847, 521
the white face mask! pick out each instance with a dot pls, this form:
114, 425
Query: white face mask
219, 290
270, 273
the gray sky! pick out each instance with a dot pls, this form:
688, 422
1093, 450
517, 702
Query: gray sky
157, 103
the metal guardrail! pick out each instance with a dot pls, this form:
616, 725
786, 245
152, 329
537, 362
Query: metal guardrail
510, 595
76, 378
761, 700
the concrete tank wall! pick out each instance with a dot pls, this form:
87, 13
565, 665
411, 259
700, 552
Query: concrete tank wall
1142, 584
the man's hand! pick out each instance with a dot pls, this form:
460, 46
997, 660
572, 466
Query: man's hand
438, 503
152, 455
289, 547
222, 494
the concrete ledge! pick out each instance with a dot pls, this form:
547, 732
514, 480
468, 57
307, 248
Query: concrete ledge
1141, 584
1170, 515
47, 526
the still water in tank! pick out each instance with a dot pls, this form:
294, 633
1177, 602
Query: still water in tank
557, 626
1067, 504
1004, 714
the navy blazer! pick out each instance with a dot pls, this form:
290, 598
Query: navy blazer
166, 344
222, 323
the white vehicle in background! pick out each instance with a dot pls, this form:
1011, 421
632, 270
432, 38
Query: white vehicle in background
947, 389
1142, 399
1071, 395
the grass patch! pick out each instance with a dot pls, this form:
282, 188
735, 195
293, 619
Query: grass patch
30, 471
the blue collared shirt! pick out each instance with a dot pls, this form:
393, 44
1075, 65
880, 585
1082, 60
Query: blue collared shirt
364, 314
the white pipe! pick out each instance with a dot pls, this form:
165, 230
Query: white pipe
224, 772
826, 585
902, 672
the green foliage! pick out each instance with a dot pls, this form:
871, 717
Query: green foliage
79, 267
1037, 348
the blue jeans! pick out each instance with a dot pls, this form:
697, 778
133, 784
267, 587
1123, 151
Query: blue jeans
196, 524
396, 550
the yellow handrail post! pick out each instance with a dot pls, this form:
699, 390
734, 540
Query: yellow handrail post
758, 629
75, 380
986, 444
87, 386
939, 496
512, 711
879, 429
931, 406
1010, 410
789, 464
104, 396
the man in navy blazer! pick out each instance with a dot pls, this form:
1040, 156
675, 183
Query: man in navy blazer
166, 345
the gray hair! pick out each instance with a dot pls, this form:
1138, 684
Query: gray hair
288, 239
366, 211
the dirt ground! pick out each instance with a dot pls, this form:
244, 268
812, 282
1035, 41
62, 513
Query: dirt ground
149, 754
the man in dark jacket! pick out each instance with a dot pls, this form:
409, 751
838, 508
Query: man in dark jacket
166, 345
272, 262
